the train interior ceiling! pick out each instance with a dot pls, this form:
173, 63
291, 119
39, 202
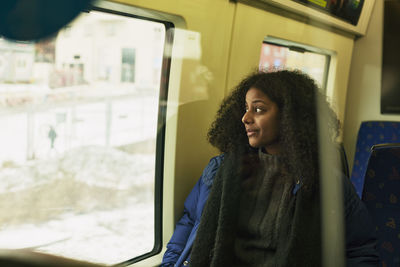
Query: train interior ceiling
105, 121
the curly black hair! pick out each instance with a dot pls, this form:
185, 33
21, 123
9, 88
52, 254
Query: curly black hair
299, 101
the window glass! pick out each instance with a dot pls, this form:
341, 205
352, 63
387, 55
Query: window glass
79, 126
291, 57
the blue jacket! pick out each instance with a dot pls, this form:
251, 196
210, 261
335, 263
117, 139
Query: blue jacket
360, 242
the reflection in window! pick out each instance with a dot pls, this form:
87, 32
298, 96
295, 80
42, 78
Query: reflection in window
79, 119
290, 57
128, 65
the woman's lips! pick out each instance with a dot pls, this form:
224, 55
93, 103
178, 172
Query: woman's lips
251, 132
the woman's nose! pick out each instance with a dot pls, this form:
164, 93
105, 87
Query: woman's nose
246, 119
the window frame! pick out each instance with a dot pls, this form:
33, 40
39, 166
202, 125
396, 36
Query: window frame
149, 15
305, 48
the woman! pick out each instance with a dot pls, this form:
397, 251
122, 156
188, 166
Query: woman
259, 201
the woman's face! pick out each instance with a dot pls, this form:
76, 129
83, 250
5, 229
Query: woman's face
262, 121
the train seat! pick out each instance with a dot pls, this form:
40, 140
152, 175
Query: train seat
381, 196
369, 134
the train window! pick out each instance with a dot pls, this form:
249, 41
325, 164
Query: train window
80, 116
277, 53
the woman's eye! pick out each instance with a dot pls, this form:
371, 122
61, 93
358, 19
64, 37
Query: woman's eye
258, 109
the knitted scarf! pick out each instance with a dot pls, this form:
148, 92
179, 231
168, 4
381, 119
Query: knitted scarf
217, 231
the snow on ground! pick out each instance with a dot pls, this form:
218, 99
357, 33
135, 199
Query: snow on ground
108, 167
93, 165
104, 235
107, 237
